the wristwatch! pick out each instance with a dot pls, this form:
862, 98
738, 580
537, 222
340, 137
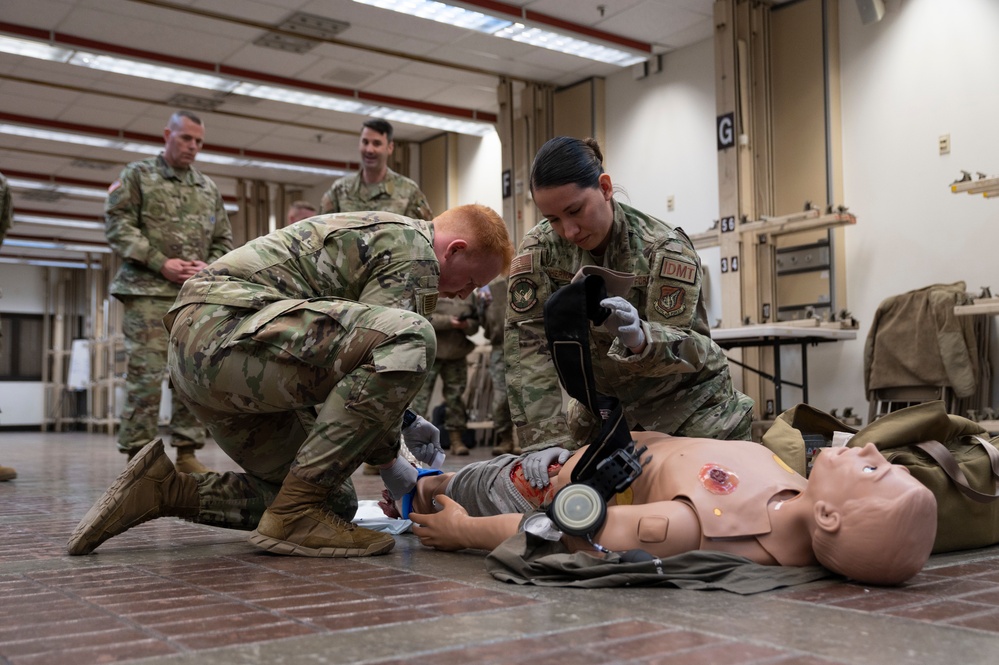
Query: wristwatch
408, 418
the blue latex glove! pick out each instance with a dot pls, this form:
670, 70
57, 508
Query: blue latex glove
536, 465
624, 321
423, 440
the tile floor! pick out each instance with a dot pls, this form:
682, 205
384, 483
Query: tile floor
173, 592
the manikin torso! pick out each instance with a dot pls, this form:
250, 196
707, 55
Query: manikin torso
744, 497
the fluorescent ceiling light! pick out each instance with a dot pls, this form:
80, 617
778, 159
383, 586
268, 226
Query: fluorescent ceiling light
51, 263
146, 149
442, 13
233, 160
289, 96
107, 63
554, 41
58, 221
32, 49
129, 67
435, 121
70, 190
65, 246
500, 27
78, 139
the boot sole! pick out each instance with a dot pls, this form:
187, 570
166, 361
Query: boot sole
293, 549
85, 537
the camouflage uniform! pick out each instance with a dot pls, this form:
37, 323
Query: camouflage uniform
154, 213
492, 324
679, 385
396, 193
453, 347
301, 350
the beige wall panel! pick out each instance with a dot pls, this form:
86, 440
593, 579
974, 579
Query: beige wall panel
434, 172
574, 112
803, 289
799, 137
802, 238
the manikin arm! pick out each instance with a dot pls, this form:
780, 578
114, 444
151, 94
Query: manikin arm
663, 528
453, 528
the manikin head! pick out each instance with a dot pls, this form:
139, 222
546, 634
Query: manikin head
472, 246
873, 522
572, 191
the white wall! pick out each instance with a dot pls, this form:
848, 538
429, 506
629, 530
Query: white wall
479, 168
660, 141
23, 289
21, 402
906, 80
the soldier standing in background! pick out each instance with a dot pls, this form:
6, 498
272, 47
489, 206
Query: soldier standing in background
493, 303
376, 186
454, 321
6, 218
166, 221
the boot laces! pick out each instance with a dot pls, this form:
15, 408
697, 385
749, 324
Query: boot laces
337, 521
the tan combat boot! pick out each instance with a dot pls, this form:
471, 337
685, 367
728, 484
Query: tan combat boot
148, 488
298, 523
457, 445
7, 473
506, 445
187, 462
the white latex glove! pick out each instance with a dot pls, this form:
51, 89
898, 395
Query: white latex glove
624, 322
400, 478
423, 440
536, 465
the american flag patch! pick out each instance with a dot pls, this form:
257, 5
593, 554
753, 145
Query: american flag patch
522, 264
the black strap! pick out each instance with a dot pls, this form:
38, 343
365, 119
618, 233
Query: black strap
568, 313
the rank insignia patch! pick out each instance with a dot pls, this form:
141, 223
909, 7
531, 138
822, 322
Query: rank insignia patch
670, 302
523, 295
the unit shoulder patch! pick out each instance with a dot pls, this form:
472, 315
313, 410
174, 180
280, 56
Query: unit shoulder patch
523, 295
670, 301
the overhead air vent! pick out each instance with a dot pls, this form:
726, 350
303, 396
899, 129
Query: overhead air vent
194, 102
282, 42
348, 77
308, 27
